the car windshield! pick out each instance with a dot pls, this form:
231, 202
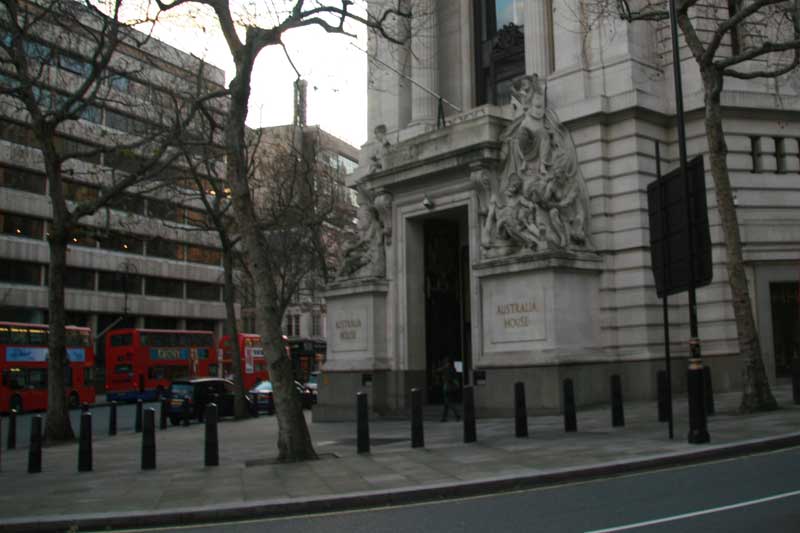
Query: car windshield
312, 379
181, 390
264, 386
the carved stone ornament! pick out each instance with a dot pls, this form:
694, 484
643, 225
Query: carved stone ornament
364, 256
537, 200
377, 161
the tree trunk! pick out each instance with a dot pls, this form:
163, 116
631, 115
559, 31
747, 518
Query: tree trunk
239, 402
57, 425
294, 441
756, 394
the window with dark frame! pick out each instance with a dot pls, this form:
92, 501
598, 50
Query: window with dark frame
79, 278
23, 180
780, 154
170, 288
196, 290
755, 153
500, 48
21, 225
23, 272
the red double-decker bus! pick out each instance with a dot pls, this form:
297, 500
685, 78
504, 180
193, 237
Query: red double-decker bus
254, 364
23, 366
141, 363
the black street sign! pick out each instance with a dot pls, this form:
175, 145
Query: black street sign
668, 210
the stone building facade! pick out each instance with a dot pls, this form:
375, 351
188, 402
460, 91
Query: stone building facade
514, 233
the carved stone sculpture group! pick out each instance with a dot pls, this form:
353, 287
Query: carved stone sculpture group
534, 200
537, 200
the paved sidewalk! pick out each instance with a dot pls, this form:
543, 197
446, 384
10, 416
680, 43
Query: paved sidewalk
247, 483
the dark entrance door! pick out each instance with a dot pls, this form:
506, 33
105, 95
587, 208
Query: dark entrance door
785, 325
445, 328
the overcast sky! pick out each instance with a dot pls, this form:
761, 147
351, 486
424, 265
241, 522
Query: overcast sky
334, 69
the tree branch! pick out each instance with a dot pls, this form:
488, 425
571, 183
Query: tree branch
766, 48
780, 71
750, 8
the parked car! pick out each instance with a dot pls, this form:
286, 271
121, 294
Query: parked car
200, 392
262, 396
311, 384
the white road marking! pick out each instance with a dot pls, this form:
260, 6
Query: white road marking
698, 513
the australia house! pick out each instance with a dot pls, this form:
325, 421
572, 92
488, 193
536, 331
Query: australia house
503, 217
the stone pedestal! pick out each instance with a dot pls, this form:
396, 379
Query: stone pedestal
356, 357
539, 315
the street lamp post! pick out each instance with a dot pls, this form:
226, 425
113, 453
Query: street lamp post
698, 428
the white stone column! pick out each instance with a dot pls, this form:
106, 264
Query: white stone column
538, 37
424, 62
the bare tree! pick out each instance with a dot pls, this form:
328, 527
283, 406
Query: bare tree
245, 40
744, 39
65, 66
203, 157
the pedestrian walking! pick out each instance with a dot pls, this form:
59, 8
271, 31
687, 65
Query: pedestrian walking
449, 383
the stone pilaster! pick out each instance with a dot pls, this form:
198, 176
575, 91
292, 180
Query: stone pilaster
538, 37
424, 62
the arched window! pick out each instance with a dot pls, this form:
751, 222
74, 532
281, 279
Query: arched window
500, 49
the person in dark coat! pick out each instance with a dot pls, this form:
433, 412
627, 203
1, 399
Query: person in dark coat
449, 383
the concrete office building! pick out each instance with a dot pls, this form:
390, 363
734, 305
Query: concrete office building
335, 160
514, 236
138, 263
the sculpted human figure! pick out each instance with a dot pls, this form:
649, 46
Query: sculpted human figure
515, 219
539, 178
364, 255
377, 159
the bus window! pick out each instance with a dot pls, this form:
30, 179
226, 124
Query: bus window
77, 338
5, 336
122, 340
37, 378
39, 337
19, 336
15, 379
68, 376
88, 374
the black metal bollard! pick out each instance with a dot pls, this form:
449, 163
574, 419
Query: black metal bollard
112, 419
12, 430
187, 413
796, 380
212, 438
85, 444
708, 390
520, 410
663, 396
137, 427
617, 408
417, 428
149, 440
162, 419
570, 417
362, 430
35, 447
469, 413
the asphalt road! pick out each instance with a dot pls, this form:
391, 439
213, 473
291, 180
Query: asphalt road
753, 493
126, 417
